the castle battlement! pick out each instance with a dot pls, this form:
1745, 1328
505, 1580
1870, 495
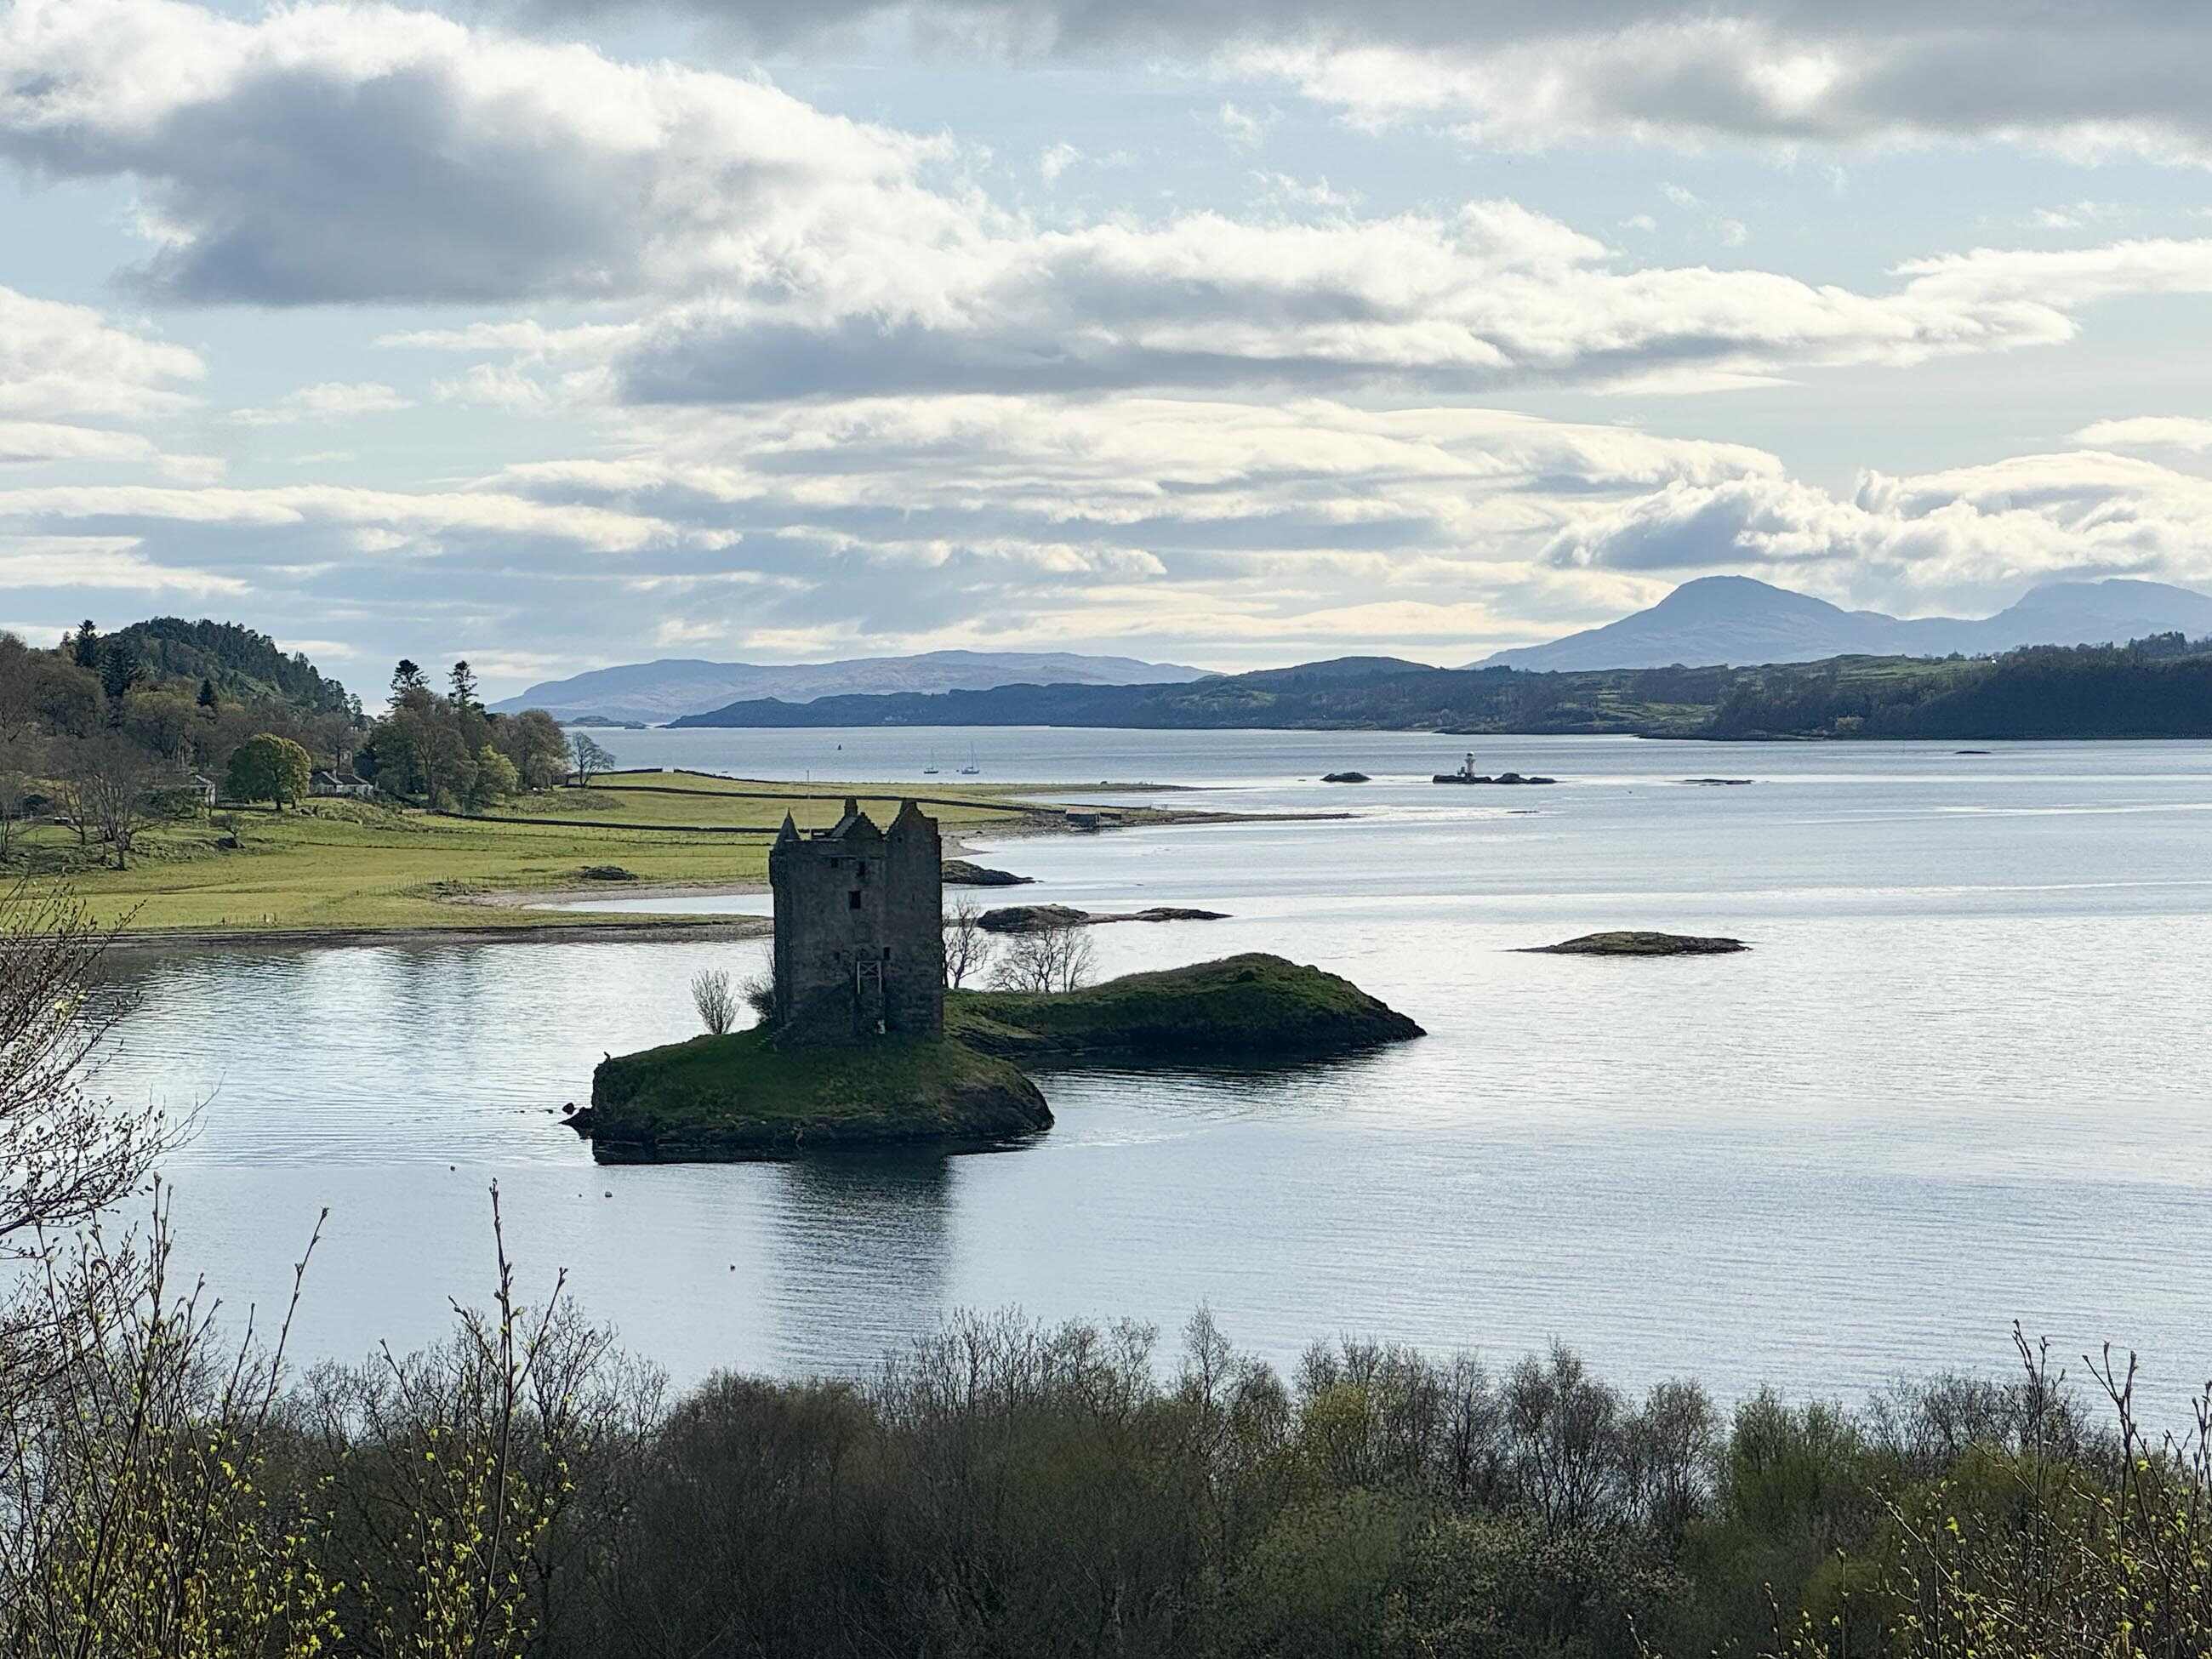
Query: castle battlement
860, 938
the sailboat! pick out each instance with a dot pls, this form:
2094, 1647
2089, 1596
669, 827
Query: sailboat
972, 770
930, 770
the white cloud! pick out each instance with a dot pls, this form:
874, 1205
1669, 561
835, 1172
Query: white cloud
2122, 76
1284, 190
2149, 432
59, 361
332, 153
2085, 83
495, 385
1967, 536
332, 400
783, 253
388, 514
101, 561
1242, 127
22, 442
1056, 159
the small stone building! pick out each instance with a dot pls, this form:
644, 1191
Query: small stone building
860, 938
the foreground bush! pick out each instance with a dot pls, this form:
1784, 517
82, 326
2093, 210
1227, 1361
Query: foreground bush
1006, 1489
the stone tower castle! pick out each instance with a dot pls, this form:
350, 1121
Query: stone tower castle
859, 928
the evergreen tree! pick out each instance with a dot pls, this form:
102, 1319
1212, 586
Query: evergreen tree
86, 646
464, 686
406, 677
119, 669
207, 698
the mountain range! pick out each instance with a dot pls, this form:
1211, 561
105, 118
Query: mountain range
1735, 619
666, 690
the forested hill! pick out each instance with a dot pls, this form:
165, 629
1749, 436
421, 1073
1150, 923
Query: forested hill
2157, 687
244, 664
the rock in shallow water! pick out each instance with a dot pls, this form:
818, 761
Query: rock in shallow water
1635, 943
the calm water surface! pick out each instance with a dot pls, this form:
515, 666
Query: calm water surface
1961, 1080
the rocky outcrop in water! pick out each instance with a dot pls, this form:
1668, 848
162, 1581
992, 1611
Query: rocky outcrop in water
959, 872
1634, 944
1038, 918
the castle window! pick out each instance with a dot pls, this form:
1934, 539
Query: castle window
853, 899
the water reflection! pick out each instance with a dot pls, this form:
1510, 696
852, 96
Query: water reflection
863, 1246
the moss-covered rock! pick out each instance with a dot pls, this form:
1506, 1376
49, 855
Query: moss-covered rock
1241, 1009
741, 1098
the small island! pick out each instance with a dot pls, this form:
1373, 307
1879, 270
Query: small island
1042, 918
1237, 1009
861, 1045
1631, 942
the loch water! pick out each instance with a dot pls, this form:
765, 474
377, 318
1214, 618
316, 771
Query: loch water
1961, 1080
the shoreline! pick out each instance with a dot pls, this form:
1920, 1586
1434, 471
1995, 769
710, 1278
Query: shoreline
539, 923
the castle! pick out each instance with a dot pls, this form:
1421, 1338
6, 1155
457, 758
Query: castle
860, 939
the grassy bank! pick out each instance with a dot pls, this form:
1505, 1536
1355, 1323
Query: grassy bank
739, 1097
346, 865
1254, 1007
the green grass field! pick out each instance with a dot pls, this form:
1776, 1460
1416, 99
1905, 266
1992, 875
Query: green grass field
346, 864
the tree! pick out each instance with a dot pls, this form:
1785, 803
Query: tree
84, 645
588, 755
268, 768
65, 697
533, 741
112, 775
717, 1003
464, 683
406, 676
967, 947
1050, 959
20, 756
495, 780
209, 700
163, 723
120, 669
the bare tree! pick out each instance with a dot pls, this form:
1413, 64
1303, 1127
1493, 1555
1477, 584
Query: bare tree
65, 1152
20, 757
717, 1003
591, 757
758, 993
112, 776
967, 948
1053, 958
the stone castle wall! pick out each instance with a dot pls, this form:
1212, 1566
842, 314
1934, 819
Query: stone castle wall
859, 943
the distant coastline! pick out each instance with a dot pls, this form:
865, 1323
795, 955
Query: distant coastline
2157, 687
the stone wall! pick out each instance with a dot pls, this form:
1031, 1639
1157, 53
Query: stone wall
859, 944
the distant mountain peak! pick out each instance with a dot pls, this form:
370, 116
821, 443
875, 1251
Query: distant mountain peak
1713, 620
672, 687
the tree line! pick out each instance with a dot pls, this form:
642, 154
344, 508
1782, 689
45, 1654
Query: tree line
107, 734
445, 750
2158, 687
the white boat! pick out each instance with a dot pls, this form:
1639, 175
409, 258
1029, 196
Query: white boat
972, 770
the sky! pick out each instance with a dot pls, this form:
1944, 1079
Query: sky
558, 333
